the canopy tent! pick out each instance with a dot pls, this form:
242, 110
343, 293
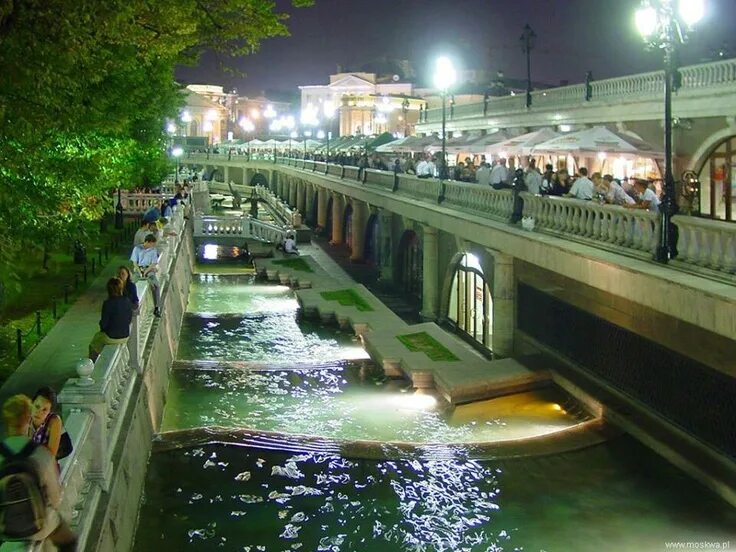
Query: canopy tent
521, 145
482, 143
598, 140
416, 144
389, 147
381, 139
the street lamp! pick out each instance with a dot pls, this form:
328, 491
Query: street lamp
444, 78
248, 127
177, 153
665, 28
329, 110
307, 134
293, 134
527, 39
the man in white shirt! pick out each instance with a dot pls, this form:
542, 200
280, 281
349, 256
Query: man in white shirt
583, 187
499, 175
425, 168
483, 174
614, 193
145, 261
647, 197
532, 178
290, 245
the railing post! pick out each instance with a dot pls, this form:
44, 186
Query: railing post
66, 294
19, 342
76, 281
134, 344
84, 272
38, 323
53, 307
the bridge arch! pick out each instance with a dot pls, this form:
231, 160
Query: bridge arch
714, 167
409, 269
347, 225
468, 286
372, 247
328, 218
259, 179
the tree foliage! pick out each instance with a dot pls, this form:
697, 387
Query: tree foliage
85, 88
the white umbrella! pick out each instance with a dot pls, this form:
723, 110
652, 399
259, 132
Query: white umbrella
481, 145
522, 145
598, 140
390, 147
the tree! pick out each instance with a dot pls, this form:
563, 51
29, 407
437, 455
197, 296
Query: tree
84, 92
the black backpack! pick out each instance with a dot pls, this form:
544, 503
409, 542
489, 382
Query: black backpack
22, 507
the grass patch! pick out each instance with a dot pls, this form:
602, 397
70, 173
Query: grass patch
422, 342
296, 263
347, 298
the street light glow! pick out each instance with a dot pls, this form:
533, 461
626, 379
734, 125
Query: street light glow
321, 135
171, 128
177, 152
691, 11
247, 125
294, 134
329, 109
270, 112
186, 117
646, 21
444, 73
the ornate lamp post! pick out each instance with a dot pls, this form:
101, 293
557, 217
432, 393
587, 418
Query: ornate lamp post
665, 28
527, 39
444, 78
248, 127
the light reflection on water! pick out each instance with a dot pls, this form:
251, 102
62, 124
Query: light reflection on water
344, 403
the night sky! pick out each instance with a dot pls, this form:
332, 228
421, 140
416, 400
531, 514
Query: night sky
572, 36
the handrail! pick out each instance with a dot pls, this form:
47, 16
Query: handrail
711, 74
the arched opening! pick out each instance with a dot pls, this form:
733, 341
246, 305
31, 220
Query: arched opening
259, 180
410, 265
717, 178
471, 305
328, 221
312, 214
347, 226
372, 251
194, 128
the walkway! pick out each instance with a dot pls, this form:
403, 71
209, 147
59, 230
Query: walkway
54, 359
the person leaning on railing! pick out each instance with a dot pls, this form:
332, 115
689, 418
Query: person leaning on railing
647, 197
117, 314
145, 263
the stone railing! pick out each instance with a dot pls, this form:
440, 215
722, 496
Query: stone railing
381, 179
427, 189
279, 207
95, 409
137, 204
633, 229
244, 227
717, 73
483, 200
706, 243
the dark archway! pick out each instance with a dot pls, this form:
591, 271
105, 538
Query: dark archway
347, 226
409, 268
312, 214
328, 220
470, 306
259, 180
372, 250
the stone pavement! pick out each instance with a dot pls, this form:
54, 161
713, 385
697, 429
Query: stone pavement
54, 359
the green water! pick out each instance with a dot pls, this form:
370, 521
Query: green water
281, 493
340, 404
616, 497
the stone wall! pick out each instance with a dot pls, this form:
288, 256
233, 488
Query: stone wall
108, 523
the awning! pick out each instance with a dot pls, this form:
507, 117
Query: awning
598, 139
522, 145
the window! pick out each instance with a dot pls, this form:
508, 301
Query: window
471, 305
718, 182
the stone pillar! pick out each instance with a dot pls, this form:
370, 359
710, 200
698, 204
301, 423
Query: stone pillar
385, 223
503, 294
430, 286
301, 197
226, 173
322, 200
245, 177
360, 217
338, 204
293, 192
308, 204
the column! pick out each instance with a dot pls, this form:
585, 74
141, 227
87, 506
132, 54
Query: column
337, 211
293, 192
503, 293
246, 182
360, 217
385, 222
322, 200
308, 204
430, 291
301, 198
226, 173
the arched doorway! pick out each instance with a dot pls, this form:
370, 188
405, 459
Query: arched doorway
328, 220
259, 180
471, 304
718, 182
347, 226
410, 265
372, 251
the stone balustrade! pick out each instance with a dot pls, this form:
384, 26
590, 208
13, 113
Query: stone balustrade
138, 203
633, 229
427, 189
706, 243
694, 77
244, 227
483, 200
381, 179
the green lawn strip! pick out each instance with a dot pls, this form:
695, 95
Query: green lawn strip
37, 290
298, 264
347, 298
422, 342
